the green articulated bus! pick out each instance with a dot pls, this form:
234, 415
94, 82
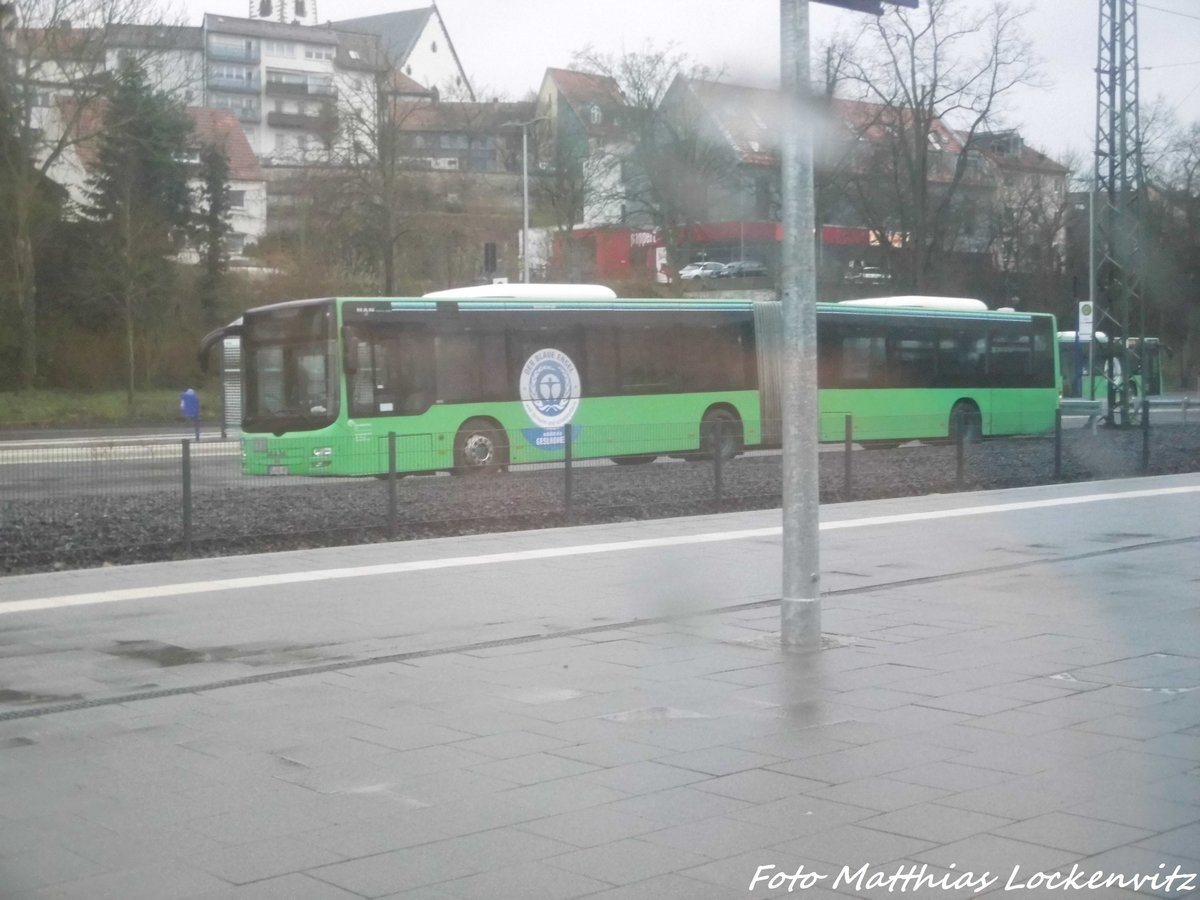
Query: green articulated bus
477, 380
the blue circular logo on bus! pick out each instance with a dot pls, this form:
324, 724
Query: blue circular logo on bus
550, 388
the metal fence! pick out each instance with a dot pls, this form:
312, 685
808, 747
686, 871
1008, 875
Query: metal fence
92, 503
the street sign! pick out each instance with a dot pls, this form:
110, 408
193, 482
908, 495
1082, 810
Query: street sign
1086, 314
875, 7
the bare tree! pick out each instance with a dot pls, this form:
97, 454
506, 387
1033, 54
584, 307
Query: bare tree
938, 77
669, 165
1172, 263
49, 50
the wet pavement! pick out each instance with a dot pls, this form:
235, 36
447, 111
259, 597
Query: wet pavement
1007, 702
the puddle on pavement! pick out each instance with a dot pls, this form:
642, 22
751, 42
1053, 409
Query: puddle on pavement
160, 654
11, 696
168, 655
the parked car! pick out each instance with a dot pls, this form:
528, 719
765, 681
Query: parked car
744, 268
693, 271
869, 275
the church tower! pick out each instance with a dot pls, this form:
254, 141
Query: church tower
290, 12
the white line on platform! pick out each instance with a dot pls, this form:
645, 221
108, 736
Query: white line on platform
163, 591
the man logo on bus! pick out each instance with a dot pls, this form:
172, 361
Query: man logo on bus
550, 388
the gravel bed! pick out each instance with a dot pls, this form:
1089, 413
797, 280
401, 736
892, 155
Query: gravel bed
61, 530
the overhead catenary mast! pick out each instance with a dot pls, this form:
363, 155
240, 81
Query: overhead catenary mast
1119, 183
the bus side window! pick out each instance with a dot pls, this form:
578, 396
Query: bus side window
394, 372
959, 360
864, 362
711, 358
913, 360
1010, 357
648, 359
600, 347
471, 366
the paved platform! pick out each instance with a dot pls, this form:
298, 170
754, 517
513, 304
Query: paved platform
1007, 703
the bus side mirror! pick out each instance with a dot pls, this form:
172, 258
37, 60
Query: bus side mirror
350, 344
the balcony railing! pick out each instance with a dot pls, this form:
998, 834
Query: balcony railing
236, 85
296, 120
295, 89
234, 54
247, 115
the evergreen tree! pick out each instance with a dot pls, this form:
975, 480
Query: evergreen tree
212, 226
140, 204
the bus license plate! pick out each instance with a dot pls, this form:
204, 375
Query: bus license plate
277, 470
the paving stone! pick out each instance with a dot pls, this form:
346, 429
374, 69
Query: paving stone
532, 881
1076, 833
264, 859
626, 861
591, 827
879, 793
853, 845
285, 887
934, 823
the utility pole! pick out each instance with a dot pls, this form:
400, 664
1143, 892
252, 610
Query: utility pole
800, 606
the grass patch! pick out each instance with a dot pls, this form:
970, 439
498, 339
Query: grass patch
83, 409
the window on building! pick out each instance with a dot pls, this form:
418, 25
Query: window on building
280, 48
433, 47
237, 199
313, 51
300, 10
265, 8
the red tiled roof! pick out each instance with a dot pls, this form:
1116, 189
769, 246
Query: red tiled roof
218, 127
583, 88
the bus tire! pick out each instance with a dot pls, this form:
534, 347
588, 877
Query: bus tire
480, 447
965, 416
720, 431
638, 460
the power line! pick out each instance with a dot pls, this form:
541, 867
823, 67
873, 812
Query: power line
1168, 66
1172, 12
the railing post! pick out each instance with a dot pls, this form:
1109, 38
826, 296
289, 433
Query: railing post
1058, 444
1145, 434
718, 445
849, 488
960, 448
568, 452
187, 496
391, 479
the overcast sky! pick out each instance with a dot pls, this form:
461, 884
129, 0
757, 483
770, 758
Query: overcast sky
506, 45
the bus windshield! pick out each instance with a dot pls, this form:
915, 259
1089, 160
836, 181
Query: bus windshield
291, 369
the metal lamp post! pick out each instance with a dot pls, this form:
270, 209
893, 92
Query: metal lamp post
524, 126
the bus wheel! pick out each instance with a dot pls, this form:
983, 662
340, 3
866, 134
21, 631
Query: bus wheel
721, 431
634, 460
965, 419
481, 446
